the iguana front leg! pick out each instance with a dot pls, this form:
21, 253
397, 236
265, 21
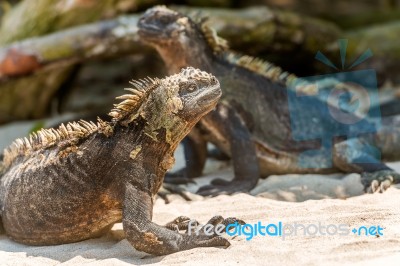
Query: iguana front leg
149, 237
243, 154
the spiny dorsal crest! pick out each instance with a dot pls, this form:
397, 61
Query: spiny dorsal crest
261, 67
217, 43
188, 73
220, 47
132, 102
46, 138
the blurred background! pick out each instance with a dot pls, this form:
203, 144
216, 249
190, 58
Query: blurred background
68, 59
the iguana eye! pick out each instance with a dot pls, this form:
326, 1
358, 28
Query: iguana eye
191, 87
188, 87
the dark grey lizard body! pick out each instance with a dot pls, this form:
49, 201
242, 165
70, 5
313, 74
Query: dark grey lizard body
252, 121
73, 183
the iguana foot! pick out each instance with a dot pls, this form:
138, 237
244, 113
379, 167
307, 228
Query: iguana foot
168, 189
379, 181
208, 235
220, 186
177, 178
213, 228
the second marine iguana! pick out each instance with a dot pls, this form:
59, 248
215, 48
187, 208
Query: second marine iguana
73, 183
252, 122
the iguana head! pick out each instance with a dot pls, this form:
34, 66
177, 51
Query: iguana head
163, 109
179, 40
172, 105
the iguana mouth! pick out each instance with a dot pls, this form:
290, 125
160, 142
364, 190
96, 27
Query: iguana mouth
207, 97
146, 29
152, 33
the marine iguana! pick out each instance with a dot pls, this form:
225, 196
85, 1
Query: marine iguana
252, 122
73, 183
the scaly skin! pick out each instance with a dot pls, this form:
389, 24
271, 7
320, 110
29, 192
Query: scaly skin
74, 183
252, 122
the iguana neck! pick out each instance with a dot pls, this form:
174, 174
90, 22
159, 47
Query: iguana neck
130, 155
176, 58
133, 141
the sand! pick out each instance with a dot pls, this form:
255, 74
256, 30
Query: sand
306, 199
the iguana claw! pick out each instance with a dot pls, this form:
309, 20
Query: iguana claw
379, 181
197, 235
180, 223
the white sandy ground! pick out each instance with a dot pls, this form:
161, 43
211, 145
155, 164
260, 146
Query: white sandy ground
307, 199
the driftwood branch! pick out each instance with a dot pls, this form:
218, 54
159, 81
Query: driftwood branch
346, 14
98, 40
36, 18
384, 42
35, 67
251, 30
